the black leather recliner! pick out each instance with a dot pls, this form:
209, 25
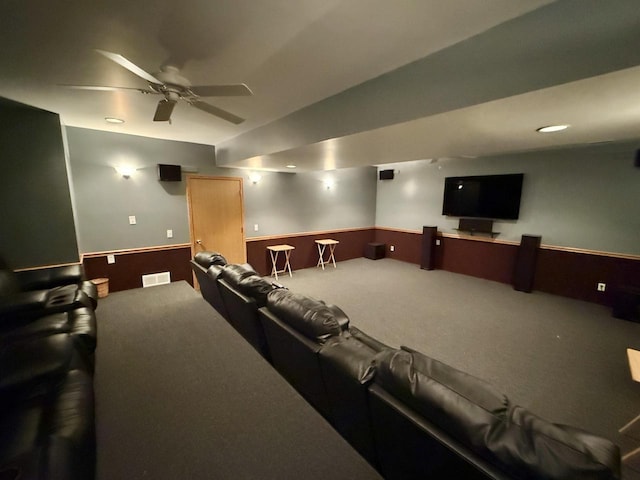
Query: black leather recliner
433, 421
296, 328
33, 294
347, 363
79, 323
46, 412
207, 267
243, 291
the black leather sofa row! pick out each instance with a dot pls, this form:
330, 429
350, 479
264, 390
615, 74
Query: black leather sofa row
409, 415
48, 338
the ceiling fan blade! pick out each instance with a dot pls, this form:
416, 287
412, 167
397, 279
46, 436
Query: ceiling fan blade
218, 112
234, 90
163, 110
132, 67
105, 88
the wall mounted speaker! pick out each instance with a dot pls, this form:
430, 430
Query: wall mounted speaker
386, 174
637, 162
169, 173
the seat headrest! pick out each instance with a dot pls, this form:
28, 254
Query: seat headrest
206, 259
234, 273
312, 318
255, 287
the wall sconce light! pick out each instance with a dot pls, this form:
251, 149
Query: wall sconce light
255, 177
125, 171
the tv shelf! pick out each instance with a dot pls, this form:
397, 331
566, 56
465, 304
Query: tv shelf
474, 226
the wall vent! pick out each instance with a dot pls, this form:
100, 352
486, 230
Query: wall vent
154, 279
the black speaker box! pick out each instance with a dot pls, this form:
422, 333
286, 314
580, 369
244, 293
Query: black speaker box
386, 174
429, 237
169, 173
524, 271
637, 162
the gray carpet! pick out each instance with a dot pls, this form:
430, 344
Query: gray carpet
180, 395
563, 359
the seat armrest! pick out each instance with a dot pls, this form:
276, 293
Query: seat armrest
21, 303
50, 277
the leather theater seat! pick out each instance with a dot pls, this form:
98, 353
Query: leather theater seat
296, 328
207, 266
433, 421
243, 292
46, 412
32, 294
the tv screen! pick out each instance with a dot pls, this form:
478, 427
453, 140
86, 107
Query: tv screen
484, 196
169, 173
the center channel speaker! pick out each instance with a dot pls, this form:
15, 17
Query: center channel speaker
386, 174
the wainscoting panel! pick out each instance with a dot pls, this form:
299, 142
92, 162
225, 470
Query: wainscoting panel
305, 255
482, 259
576, 275
130, 265
407, 244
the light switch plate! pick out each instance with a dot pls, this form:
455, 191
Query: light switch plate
169, 233
132, 219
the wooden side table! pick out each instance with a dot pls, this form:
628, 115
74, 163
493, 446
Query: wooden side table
322, 245
274, 250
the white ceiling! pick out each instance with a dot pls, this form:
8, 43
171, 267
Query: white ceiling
291, 54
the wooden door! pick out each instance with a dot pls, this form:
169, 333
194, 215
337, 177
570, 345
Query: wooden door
216, 216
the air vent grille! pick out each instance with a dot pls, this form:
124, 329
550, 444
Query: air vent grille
154, 279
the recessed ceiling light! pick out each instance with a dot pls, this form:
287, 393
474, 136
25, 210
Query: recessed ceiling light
552, 128
113, 120
291, 166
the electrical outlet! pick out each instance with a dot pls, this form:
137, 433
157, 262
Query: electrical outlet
169, 233
602, 287
132, 219
111, 259
392, 248
437, 242
255, 227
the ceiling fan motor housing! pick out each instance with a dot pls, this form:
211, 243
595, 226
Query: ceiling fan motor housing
170, 76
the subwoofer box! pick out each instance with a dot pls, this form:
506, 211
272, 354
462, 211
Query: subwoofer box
374, 251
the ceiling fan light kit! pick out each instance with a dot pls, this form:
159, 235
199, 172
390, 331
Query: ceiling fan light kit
174, 87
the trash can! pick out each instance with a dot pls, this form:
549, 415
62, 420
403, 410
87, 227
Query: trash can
102, 285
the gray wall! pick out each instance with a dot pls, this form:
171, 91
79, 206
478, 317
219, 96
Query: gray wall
36, 214
279, 203
584, 197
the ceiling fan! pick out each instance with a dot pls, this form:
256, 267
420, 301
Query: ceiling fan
173, 86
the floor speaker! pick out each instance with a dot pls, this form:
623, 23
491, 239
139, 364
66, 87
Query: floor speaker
524, 271
429, 236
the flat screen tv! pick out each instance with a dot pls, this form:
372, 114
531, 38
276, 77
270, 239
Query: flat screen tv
484, 196
169, 173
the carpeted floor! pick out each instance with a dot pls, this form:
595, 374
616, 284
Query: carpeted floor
173, 400
180, 395
563, 359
